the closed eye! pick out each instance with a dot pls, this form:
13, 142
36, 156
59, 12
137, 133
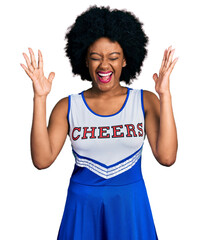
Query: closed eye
98, 59
95, 59
113, 59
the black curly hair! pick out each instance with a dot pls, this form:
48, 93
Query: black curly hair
117, 25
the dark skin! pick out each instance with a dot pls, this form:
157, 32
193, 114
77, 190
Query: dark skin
104, 99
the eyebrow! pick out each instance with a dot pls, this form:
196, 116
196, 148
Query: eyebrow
92, 53
114, 53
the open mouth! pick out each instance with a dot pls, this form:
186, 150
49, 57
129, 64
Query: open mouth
104, 77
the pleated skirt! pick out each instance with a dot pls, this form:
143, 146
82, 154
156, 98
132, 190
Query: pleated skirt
107, 213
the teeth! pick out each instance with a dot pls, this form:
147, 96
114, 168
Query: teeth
104, 74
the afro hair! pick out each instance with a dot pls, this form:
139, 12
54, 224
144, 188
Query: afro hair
117, 25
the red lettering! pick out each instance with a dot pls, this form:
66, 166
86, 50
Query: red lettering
139, 127
130, 128
115, 130
86, 131
74, 129
101, 131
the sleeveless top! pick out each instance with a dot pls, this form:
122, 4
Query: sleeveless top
107, 148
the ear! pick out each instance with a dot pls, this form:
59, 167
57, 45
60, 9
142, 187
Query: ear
124, 62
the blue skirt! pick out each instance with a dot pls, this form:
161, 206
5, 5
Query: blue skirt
120, 212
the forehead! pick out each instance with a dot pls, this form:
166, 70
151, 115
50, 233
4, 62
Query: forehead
105, 45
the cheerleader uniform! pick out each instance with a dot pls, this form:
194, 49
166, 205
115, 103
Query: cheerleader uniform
107, 198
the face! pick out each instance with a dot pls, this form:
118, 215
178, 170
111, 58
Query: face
105, 60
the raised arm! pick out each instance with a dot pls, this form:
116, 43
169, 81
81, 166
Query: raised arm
46, 142
160, 124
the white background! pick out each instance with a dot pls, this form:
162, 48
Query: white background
32, 201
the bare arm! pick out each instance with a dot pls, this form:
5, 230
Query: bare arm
160, 128
46, 142
160, 123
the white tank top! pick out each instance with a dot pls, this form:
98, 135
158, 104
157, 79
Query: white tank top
107, 144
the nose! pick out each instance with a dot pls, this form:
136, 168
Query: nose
104, 63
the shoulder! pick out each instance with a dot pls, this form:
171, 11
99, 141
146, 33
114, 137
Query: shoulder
149, 96
61, 107
150, 100
63, 102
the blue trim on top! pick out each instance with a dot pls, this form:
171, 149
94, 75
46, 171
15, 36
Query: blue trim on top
142, 102
107, 172
82, 94
69, 107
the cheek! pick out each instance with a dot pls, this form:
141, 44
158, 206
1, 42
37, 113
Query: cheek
92, 69
92, 65
118, 67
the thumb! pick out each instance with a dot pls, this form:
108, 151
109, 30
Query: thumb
51, 76
155, 77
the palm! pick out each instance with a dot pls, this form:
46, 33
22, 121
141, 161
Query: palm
41, 84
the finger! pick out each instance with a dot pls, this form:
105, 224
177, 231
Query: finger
32, 57
167, 56
155, 77
28, 62
51, 76
169, 49
172, 65
40, 60
164, 59
170, 57
29, 73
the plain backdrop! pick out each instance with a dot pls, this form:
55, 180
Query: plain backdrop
32, 201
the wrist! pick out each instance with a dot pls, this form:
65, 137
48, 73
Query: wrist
39, 98
165, 96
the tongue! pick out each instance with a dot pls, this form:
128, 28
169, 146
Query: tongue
105, 78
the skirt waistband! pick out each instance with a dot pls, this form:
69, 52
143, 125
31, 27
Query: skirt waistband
84, 176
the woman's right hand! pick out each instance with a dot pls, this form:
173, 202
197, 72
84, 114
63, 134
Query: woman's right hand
41, 85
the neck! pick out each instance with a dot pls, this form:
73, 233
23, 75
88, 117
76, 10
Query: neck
107, 93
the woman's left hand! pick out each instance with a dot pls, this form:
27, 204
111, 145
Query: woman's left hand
162, 80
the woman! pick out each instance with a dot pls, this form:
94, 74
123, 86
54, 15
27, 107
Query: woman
107, 124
